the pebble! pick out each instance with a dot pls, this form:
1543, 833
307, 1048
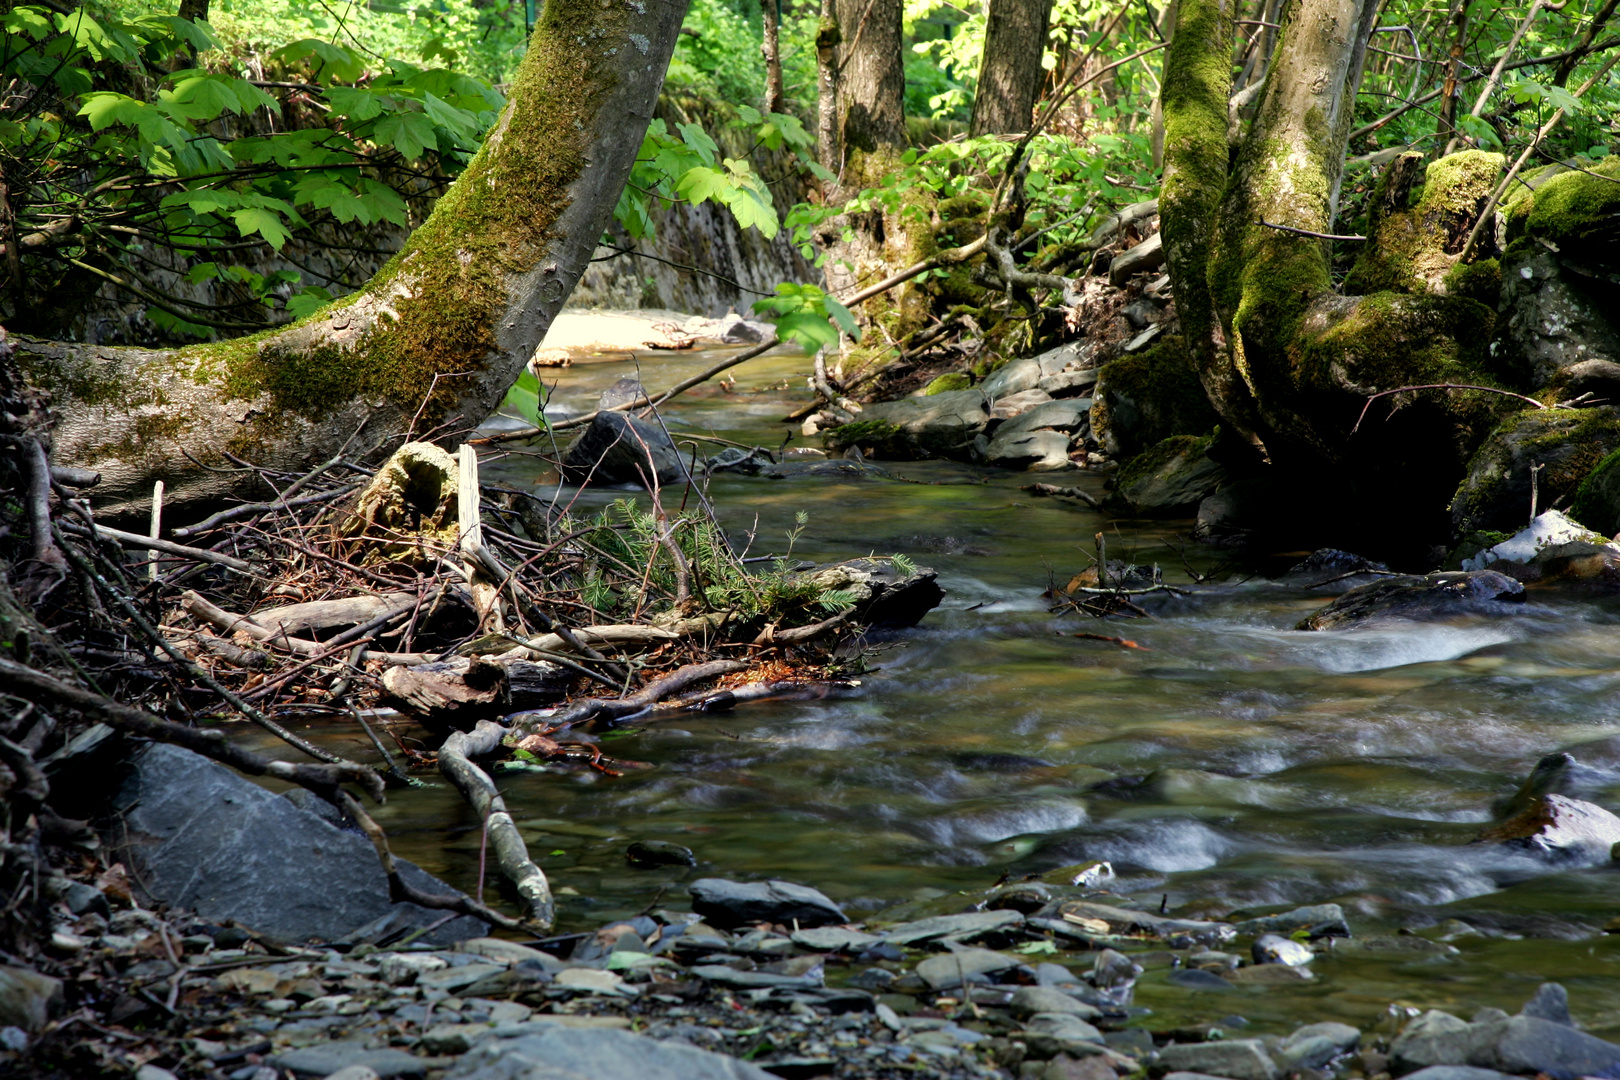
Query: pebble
1275, 949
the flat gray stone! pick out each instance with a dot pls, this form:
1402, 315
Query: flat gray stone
938, 425
1067, 416
728, 904
964, 927
1455, 1072
1029, 1000
1031, 451
949, 969
1236, 1059
748, 980
206, 840
1322, 918
1313, 1046
834, 939
572, 1054
27, 998
1063, 1025
328, 1058
1518, 1044
454, 978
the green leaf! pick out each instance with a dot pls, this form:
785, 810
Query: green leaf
698, 140
410, 133
264, 221
840, 315
700, 184
812, 332
332, 61
308, 301
356, 103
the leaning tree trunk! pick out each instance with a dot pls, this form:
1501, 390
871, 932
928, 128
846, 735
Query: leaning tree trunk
430, 345
1287, 361
1010, 71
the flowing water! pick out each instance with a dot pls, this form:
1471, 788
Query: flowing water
1282, 767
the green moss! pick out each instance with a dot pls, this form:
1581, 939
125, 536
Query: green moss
1147, 397
1156, 457
1573, 207
1566, 445
952, 380
862, 432
1480, 282
1413, 250
1597, 500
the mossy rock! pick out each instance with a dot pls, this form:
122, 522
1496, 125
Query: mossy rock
951, 380
1473, 544
1568, 445
1413, 250
1597, 500
1569, 210
1169, 479
941, 425
1147, 397
1480, 282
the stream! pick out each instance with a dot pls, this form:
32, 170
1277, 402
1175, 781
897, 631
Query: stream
1286, 767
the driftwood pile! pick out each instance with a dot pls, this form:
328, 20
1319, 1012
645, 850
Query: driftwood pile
449, 622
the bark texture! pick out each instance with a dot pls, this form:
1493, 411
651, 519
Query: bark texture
1010, 72
432, 343
872, 83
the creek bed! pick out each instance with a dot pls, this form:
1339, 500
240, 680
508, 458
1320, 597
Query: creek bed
1288, 767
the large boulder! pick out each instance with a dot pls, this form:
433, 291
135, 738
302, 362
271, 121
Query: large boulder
728, 904
1552, 548
938, 425
1560, 269
1436, 596
1560, 829
1597, 501
1171, 479
1518, 1044
1146, 397
201, 838
616, 448
1414, 248
1564, 445
1038, 440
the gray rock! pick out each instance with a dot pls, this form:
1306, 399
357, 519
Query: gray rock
327, 1058
1455, 1072
619, 449
834, 939
355, 1072
1029, 451
1550, 1003
1070, 384
1436, 596
968, 926
1275, 949
1562, 830
950, 969
27, 998
622, 392
1566, 443
1029, 1000
750, 980
1319, 920
153, 1072
1236, 1059
1129, 921
82, 898
1198, 979
1313, 1046
729, 904
1015, 405
206, 840
939, 425
573, 1054
659, 853
1519, 1044
1556, 317
1065, 416
1171, 478
1047, 1034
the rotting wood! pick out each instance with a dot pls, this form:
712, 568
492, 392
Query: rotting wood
325, 614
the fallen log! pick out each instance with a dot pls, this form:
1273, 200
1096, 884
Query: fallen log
449, 694
325, 614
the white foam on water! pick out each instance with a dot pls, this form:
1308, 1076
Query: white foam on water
1378, 648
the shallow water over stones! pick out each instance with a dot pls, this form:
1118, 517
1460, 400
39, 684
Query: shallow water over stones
1233, 764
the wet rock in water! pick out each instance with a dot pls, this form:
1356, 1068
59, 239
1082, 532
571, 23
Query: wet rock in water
1564, 444
834, 939
573, 1054
27, 998
1028, 451
1436, 596
1550, 1003
619, 449
1237, 512
1316, 920
1275, 949
1198, 979
1313, 1046
910, 429
1171, 478
1270, 975
1236, 1059
1330, 568
659, 853
204, 839
950, 969
1560, 829
1518, 1044
883, 594
622, 392
1552, 548
1456, 1072
729, 904
971, 926
1115, 920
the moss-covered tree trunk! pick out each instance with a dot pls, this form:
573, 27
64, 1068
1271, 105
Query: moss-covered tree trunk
1287, 361
432, 343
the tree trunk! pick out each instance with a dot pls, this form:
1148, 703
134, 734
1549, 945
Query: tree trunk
829, 147
432, 343
1010, 73
771, 48
872, 82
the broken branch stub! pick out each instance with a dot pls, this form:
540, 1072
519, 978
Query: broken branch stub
408, 508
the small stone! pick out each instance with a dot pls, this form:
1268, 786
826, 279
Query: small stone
590, 980
1550, 1003
1275, 949
154, 1072
355, 1072
647, 853
1270, 975
969, 926
1198, 979
324, 1059
279, 1005
834, 939
951, 969
27, 997
508, 952
729, 904
403, 969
